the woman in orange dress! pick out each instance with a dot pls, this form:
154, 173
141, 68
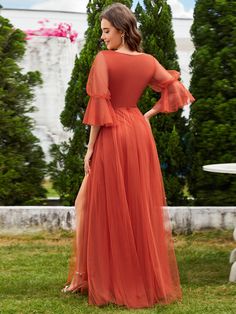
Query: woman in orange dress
123, 247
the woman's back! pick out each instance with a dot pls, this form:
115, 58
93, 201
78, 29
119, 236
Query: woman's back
129, 75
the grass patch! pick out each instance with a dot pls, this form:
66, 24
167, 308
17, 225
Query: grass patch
33, 269
47, 184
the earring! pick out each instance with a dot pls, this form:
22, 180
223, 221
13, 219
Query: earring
123, 39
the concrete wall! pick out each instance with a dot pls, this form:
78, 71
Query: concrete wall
18, 219
54, 58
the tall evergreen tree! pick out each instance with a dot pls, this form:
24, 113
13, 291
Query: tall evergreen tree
169, 130
22, 165
212, 135
66, 169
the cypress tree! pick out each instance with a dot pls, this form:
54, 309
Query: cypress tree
212, 134
67, 169
169, 130
22, 165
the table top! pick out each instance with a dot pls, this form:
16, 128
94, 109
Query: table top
221, 168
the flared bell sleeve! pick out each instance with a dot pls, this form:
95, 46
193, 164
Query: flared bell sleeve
99, 110
173, 93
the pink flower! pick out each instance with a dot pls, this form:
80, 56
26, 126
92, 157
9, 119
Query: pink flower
59, 30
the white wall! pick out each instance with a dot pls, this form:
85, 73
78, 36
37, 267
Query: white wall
18, 219
54, 58
28, 19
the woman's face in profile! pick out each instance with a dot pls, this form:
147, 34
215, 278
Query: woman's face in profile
110, 35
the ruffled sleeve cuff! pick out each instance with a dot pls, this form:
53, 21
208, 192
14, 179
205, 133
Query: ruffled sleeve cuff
99, 111
173, 94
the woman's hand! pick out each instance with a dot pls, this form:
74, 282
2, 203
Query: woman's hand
87, 158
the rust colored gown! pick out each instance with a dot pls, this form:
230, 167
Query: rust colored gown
123, 248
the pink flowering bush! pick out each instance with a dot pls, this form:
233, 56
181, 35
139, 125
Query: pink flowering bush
59, 30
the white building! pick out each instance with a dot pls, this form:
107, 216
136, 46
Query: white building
54, 58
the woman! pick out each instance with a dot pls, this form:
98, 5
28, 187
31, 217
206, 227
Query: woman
124, 250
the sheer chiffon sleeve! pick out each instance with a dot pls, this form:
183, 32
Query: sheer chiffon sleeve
99, 110
173, 93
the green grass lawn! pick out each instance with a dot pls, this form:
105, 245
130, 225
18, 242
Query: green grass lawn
33, 269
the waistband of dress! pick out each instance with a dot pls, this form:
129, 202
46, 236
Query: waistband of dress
126, 107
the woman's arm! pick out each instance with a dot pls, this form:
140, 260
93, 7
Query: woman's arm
174, 95
94, 130
150, 113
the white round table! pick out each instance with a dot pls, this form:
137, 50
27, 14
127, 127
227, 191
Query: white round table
229, 168
221, 168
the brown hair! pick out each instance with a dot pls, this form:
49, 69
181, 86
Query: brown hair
122, 18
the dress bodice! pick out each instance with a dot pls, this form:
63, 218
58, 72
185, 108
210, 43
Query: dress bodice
128, 76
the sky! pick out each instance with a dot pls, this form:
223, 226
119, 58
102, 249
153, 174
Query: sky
180, 8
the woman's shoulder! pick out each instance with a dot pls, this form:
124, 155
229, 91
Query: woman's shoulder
140, 58
112, 53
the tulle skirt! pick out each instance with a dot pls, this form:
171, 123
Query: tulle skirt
123, 249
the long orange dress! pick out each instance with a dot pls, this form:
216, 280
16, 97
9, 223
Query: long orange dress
123, 249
